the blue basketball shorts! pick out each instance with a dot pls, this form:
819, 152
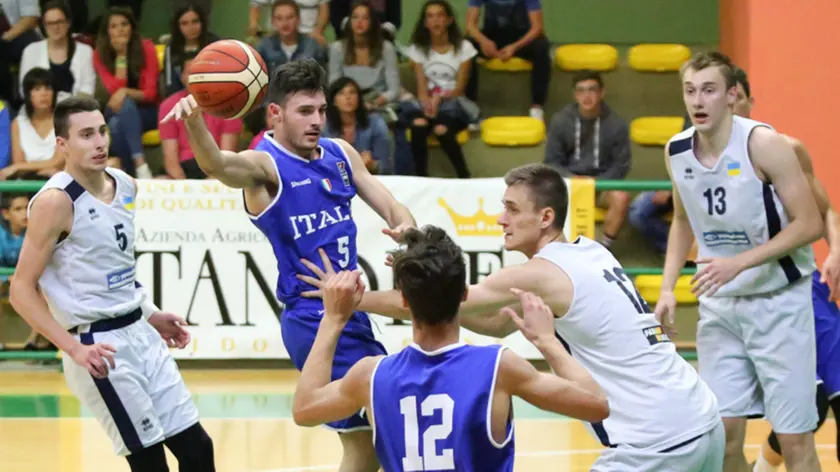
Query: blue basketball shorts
357, 341
827, 326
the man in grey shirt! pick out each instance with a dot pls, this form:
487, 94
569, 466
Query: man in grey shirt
588, 139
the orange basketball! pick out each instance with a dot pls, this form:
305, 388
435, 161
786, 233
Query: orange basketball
228, 79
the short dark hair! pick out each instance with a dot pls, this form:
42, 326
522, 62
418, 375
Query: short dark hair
584, 75
546, 186
70, 106
303, 75
431, 274
704, 60
285, 3
741, 78
6, 199
36, 77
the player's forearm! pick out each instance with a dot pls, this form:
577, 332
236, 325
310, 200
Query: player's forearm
565, 366
680, 238
385, 303
31, 306
400, 215
492, 323
317, 369
205, 150
800, 232
832, 230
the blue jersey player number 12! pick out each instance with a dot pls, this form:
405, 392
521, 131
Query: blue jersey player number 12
298, 189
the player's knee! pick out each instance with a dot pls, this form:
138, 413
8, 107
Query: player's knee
152, 458
620, 200
440, 130
796, 445
736, 429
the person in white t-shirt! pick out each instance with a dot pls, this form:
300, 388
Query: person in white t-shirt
441, 59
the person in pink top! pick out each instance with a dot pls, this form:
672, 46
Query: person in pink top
269, 124
178, 158
127, 66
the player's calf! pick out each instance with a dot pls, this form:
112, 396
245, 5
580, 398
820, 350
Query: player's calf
193, 448
359, 454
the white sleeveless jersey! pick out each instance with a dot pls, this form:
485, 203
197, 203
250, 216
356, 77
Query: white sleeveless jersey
90, 275
657, 399
731, 211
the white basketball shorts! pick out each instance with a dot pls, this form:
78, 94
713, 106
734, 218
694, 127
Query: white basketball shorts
704, 454
144, 399
758, 355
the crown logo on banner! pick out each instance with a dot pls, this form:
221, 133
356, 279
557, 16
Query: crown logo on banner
479, 224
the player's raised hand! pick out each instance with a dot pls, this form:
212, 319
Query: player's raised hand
665, 311
830, 274
323, 275
171, 328
185, 108
397, 233
537, 320
342, 294
716, 272
95, 358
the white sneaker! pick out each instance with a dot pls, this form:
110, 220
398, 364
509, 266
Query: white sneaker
536, 112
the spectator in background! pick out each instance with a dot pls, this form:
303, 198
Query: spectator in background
388, 11
348, 119
366, 57
587, 138
268, 123
33, 134
314, 16
12, 231
441, 59
70, 62
18, 29
178, 158
287, 43
188, 35
648, 213
127, 65
512, 28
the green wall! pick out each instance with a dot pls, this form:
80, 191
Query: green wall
567, 21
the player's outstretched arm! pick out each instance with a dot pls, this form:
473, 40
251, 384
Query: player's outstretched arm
50, 215
377, 196
773, 156
246, 169
317, 400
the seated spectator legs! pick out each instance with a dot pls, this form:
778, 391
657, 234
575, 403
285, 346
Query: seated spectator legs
445, 130
618, 204
647, 215
537, 52
10, 54
127, 127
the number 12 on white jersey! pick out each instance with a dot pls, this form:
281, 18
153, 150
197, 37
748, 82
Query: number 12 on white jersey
413, 462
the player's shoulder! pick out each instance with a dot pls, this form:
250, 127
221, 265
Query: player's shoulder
680, 142
52, 204
361, 373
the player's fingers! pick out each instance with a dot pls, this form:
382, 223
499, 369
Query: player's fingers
700, 273
108, 347
389, 260
191, 100
109, 357
326, 260
514, 316
314, 268
311, 280
312, 294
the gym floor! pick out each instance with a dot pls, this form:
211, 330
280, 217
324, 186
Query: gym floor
248, 415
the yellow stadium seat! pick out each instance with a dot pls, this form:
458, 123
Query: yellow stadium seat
514, 64
151, 138
512, 131
161, 52
650, 285
658, 57
462, 138
655, 130
600, 57
599, 215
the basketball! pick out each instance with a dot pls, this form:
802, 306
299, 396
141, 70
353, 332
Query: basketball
228, 79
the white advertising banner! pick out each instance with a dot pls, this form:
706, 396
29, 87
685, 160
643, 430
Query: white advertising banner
201, 257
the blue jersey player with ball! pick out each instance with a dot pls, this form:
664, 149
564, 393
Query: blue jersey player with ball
298, 188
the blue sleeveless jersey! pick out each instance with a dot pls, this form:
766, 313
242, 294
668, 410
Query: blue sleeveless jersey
431, 411
311, 211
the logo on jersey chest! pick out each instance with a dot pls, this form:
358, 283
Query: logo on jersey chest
343, 171
689, 173
310, 223
92, 213
128, 202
